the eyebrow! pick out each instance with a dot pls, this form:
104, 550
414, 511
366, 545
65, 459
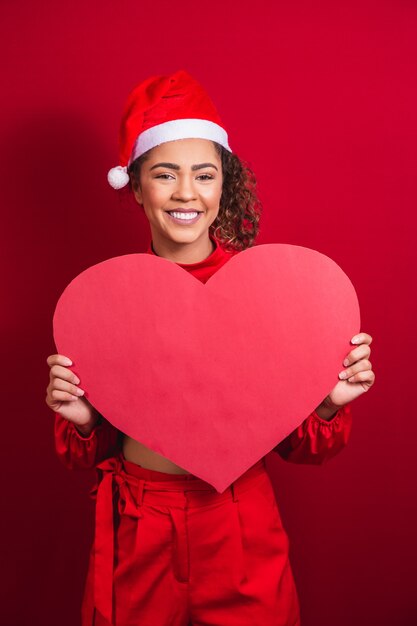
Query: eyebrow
174, 166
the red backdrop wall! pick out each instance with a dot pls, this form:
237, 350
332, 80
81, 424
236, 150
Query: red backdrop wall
320, 99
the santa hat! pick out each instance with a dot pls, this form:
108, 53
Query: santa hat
160, 109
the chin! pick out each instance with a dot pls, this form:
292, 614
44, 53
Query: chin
185, 237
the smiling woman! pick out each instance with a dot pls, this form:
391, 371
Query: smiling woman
173, 550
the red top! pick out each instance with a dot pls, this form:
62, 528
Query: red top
316, 440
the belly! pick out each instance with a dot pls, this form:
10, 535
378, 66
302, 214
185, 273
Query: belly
141, 455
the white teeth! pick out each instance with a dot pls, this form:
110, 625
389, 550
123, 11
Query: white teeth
184, 216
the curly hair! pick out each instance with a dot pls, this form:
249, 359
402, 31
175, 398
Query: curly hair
237, 223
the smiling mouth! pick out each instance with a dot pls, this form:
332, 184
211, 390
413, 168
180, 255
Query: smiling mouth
185, 216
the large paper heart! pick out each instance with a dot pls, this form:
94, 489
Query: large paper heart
211, 376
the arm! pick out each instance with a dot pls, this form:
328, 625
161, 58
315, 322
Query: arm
83, 437
325, 432
317, 440
78, 451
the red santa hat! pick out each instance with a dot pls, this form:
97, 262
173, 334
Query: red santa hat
160, 109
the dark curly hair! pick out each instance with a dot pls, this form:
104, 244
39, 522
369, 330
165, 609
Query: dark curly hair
237, 223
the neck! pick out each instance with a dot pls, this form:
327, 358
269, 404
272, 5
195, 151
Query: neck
192, 252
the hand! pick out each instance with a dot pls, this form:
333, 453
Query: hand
355, 379
64, 396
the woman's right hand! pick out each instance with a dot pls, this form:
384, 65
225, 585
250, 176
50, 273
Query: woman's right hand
64, 396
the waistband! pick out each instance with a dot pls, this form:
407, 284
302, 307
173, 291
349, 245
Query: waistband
154, 481
137, 485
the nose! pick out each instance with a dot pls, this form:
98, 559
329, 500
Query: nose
184, 189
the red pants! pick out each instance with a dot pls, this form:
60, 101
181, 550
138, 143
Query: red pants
171, 551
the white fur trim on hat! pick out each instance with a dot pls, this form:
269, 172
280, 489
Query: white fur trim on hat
118, 177
188, 128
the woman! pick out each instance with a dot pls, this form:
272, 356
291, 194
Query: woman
168, 548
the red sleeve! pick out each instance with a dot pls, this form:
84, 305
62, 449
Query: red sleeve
78, 452
317, 440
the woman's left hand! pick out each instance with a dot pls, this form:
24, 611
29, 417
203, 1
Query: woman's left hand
357, 377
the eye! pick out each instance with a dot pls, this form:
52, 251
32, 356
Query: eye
162, 176
206, 176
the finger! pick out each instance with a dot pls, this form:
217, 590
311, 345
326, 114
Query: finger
58, 359
62, 385
362, 352
361, 338
58, 371
360, 366
62, 396
361, 377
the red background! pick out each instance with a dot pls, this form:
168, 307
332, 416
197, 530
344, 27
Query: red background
320, 99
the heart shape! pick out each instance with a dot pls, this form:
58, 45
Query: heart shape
211, 376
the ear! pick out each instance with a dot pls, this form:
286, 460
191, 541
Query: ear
138, 194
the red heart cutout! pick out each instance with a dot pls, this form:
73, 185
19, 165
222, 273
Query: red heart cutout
211, 376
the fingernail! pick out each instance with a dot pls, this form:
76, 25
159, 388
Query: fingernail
80, 392
67, 361
346, 362
343, 375
355, 339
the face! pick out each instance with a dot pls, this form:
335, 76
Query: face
180, 190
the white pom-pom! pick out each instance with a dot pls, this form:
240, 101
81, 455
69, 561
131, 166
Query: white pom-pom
118, 177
